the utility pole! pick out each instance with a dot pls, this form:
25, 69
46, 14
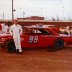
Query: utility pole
3, 15
23, 14
20, 13
41, 11
57, 18
63, 13
12, 13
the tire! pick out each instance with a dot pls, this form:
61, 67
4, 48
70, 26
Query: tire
10, 46
58, 44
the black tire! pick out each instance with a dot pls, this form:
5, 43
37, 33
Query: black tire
58, 44
10, 46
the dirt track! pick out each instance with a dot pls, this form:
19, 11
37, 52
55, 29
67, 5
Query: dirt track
37, 61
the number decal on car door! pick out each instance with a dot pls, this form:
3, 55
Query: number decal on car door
33, 39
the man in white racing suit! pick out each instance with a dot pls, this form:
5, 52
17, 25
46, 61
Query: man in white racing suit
16, 31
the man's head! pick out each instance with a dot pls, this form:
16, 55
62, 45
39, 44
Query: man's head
15, 22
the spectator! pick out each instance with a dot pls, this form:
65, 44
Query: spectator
3, 27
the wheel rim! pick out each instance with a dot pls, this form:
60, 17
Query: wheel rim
59, 44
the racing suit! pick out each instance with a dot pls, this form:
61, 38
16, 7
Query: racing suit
16, 31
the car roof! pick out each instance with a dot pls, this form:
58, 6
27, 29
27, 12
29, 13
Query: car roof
36, 27
45, 28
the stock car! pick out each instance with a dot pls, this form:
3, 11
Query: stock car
67, 37
34, 37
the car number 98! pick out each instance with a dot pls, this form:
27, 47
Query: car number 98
33, 39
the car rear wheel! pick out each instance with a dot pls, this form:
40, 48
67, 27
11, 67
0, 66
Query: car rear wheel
10, 46
58, 44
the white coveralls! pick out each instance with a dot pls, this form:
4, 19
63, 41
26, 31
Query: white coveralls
16, 31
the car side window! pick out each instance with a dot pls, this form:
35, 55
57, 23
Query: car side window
44, 32
37, 31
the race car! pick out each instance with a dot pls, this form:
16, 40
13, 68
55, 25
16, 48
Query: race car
65, 34
34, 37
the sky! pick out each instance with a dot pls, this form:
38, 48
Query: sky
61, 9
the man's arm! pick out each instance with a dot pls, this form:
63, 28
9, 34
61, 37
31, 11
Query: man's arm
21, 30
11, 31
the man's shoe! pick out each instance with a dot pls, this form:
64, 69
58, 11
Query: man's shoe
17, 51
20, 52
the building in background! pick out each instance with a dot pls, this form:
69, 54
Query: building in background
32, 18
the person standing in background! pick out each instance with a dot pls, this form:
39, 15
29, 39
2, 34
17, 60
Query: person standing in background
3, 27
6, 28
68, 30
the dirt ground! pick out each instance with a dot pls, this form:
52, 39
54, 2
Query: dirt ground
40, 60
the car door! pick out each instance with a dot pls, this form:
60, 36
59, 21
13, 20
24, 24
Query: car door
44, 38
38, 39
29, 40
